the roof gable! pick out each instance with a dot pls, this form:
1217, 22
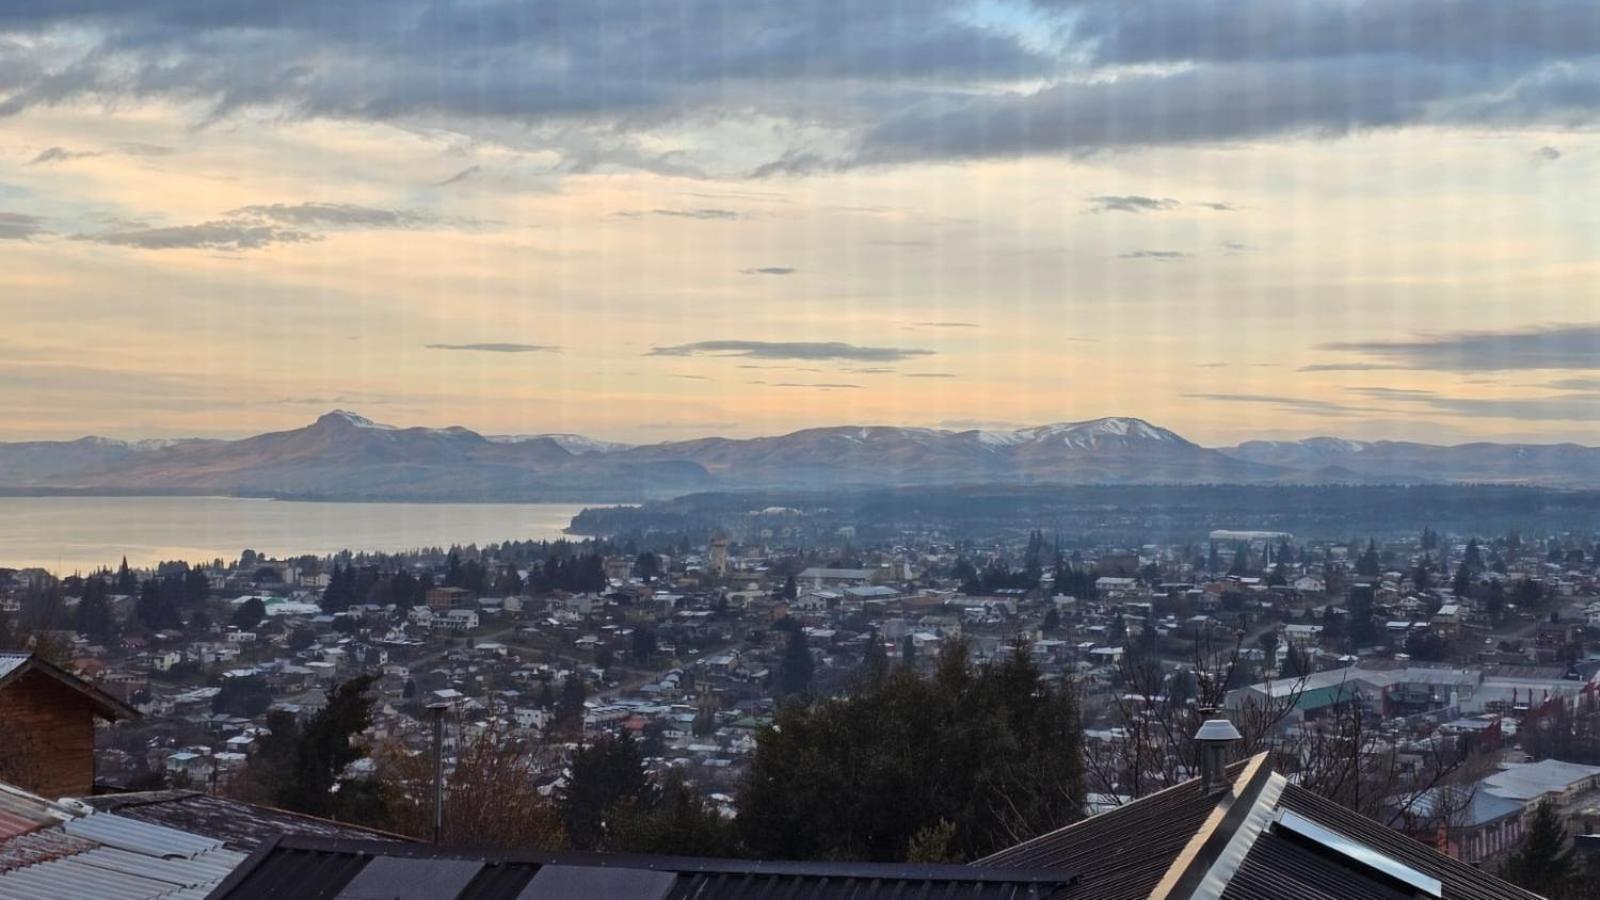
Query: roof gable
16, 666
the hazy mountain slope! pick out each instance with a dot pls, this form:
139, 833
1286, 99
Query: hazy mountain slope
1557, 465
342, 455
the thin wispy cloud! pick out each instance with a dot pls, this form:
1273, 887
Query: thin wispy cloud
496, 348
769, 270
460, 176
20, 226
791, 350
709, 214
1550, 347
219, 235
1155, 255
1575, 407
62, 154
945, 324
1130, 203
335, 215
930, 375
824, 386
1290, 404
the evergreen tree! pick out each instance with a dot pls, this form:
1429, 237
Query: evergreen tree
797, 668
1540, 863
603, 775
875, 661
155, 608
92, 618
324, 749
1368, 563
860, 777
672, 818
569, 709
249, 614
126, 583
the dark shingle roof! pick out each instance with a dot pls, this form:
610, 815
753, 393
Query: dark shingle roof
320, 869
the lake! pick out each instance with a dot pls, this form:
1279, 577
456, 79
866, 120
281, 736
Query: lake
68, 534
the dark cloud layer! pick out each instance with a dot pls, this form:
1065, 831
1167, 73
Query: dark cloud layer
1551, 347
866, 83
768, 270
791, 350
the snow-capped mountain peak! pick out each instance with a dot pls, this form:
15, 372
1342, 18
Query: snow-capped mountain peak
345, 417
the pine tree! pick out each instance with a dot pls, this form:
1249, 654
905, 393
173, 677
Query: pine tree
1541, 863
127, 584
92, 618
797, 668
604, 774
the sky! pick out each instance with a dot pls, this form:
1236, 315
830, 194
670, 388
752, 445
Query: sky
647, 221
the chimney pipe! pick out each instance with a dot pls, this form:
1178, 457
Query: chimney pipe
1216, 734
438, 710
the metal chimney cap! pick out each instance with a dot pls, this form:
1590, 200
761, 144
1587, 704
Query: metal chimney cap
1219, 731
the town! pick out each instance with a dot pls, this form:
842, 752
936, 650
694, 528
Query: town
1456, 666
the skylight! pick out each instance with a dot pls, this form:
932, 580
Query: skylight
1333, 841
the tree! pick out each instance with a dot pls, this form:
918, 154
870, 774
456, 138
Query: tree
603, 775
126, 582
247, 697
1368, 563
340, 593
797, 668
860, 777
644, 643
1540, 863
670, 818
569, 708
648, 565
325, 750
155, 608
92, 618
1363, 633
249, 614
487, 798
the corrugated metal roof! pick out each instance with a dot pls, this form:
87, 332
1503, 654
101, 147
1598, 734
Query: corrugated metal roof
207, 868
39, 846
140, 837
319, 869
68, 879
241, 826
91, 871
22, 812
10, 662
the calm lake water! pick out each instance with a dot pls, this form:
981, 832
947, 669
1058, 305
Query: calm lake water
67, 534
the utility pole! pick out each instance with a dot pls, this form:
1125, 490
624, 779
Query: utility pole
438, 710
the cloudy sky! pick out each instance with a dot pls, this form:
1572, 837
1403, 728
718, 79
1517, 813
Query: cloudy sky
651, 220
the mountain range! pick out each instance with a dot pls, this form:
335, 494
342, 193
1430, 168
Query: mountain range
345, 456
